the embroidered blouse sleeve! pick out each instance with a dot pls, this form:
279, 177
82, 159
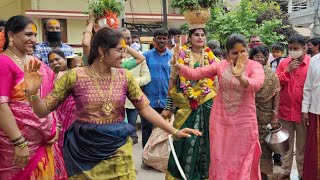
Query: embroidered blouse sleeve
200, 72
256, 77
6, 81
135, 94
62, 90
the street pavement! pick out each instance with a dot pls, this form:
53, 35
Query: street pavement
156, 175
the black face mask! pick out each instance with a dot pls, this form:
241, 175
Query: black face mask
309, 51
53, 36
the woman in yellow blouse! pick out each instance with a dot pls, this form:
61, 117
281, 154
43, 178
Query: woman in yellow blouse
97, 144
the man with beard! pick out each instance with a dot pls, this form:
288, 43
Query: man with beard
313, 45
157, 60
52, 28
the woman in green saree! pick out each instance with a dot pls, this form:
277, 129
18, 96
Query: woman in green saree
193, 100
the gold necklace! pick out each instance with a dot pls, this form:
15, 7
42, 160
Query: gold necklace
198, 58
20, 62
107, 106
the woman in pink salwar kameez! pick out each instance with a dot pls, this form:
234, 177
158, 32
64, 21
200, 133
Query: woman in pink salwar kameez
234, 142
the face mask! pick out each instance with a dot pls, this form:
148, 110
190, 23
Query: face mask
135, 46
173, 42
295, 54
309, 51
53, 36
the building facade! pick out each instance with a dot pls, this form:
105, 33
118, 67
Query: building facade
71, 14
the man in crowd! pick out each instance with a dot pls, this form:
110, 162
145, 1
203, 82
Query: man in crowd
136, 44
311, 119
142, 76
174, 38
254, 40
292, 72
158, 62
52, 28
313, 45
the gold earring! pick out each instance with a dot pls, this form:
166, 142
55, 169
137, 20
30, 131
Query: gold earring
101, 59
11, 42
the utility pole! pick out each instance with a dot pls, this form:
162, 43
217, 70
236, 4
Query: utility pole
316, 22
122, 15
165, 16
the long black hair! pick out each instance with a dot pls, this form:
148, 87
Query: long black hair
105, 38
15, 24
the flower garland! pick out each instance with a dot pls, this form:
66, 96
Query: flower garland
2, 40
112, 19
196, 91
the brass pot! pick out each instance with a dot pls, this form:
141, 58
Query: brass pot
198, 16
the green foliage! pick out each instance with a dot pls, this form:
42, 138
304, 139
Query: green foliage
184, 5
97, 7
250, 17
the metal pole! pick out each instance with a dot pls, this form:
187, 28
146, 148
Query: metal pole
316, 25
165, 17
122, 15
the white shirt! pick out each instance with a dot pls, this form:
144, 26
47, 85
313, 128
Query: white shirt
311, 90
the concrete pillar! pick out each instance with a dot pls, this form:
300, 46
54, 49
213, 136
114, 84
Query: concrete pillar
316, 27
290, 7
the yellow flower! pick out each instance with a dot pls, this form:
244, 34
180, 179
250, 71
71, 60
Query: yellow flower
211, 55
182, 79
210, 83
184, 47
180, 61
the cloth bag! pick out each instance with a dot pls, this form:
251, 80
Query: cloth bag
157, 150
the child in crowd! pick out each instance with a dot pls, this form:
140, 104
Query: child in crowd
278, 54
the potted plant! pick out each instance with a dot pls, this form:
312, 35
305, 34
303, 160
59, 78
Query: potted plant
195, 11
106, 11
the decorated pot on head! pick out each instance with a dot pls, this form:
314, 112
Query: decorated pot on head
108, 20
106, 12
197, 18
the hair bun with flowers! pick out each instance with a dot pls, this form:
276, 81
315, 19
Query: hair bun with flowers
2, 40
106, 11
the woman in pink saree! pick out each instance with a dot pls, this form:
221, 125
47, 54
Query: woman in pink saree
27, 143
66, 111
234, 141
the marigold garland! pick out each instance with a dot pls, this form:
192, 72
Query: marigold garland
2, 40
112, 19
196, 91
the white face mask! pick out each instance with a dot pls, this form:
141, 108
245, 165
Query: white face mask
295, 54
172, 41
135, 46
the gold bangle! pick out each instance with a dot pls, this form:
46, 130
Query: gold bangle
33, 98
237, 75
173, 65
89, 32
175, 133
23, 145
17, 139
23, 140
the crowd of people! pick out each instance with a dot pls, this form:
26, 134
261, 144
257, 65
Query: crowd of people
68, 117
